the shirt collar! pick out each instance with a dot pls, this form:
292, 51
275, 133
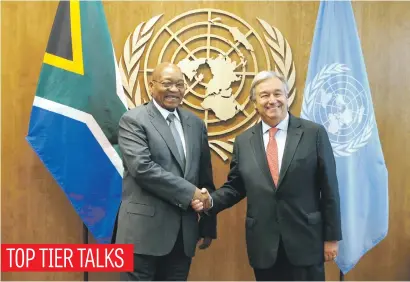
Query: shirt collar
164, 112
283, 125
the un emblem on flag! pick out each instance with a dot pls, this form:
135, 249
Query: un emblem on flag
341, 104
219, 54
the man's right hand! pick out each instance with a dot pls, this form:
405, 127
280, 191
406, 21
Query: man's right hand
201, 200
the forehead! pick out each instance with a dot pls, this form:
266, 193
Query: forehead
270, 85
170, 73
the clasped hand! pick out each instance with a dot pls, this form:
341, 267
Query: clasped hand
201, 200
331, 250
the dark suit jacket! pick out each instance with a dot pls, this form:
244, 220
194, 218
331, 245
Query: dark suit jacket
157, 190
303, 210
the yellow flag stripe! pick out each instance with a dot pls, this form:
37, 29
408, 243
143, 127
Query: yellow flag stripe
77, 64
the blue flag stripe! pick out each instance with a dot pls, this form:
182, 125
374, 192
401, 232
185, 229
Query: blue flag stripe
87, 119
68, 158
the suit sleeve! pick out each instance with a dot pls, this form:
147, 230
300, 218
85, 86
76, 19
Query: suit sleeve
233, 191
207, 224
330, 201
149, 175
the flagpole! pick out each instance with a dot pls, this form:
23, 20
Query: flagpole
341, 276
85, 240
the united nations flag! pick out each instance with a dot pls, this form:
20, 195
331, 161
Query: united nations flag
337, 95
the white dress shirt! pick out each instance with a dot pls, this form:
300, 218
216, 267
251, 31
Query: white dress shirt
178, 124
280, 140
280, 137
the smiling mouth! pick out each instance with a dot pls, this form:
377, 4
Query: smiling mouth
172, 98
273, 108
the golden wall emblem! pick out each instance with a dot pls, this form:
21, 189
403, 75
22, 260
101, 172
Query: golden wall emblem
219, 54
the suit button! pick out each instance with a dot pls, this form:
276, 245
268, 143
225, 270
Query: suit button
179, 205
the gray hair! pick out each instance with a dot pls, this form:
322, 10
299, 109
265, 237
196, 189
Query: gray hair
265, 75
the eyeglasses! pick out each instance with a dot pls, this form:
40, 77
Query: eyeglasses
168, 85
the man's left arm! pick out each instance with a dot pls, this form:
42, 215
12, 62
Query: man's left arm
207, 223
330, 202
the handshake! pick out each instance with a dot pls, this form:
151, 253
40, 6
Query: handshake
201, 201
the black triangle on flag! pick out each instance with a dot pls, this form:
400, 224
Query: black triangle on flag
59, 43
65, 48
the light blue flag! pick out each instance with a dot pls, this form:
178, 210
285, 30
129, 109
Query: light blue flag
337, 95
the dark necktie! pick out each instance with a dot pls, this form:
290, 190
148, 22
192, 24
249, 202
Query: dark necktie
178, 141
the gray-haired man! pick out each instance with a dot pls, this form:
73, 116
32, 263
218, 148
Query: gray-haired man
285, 167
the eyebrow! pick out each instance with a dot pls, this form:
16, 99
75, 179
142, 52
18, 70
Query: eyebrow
170, 80
274, 91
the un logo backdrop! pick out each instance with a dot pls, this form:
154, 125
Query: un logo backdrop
219, 54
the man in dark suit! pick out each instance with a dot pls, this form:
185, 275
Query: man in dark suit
285, 167
166, 158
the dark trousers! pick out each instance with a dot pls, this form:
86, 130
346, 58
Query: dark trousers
171, 267
283, 270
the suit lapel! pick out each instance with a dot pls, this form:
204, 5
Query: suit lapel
162, 127
292, 142
260, 153
188, 133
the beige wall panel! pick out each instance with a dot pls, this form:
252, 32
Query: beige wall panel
34, 210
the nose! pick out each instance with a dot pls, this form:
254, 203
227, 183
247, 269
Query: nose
272, 99
174, 88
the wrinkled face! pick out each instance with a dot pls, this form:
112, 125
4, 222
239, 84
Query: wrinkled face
168, 87
271, 101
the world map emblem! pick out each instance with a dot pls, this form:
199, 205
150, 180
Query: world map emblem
339, 102
219, 54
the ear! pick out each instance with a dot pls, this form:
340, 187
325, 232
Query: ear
150, 85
